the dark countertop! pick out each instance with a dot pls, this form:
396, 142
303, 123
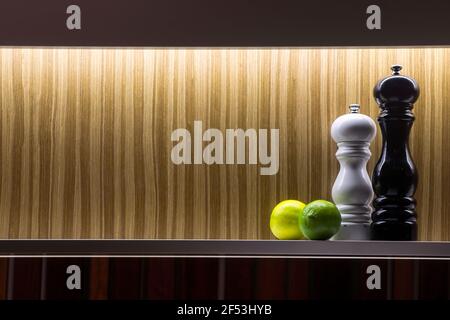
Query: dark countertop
233, 248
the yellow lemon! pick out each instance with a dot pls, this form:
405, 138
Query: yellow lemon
284, 220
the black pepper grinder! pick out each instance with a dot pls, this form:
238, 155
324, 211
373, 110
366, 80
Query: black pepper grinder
395, 178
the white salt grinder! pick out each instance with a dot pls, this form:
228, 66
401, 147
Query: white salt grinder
352, 191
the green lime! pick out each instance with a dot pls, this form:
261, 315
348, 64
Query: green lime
320, 220
284, 220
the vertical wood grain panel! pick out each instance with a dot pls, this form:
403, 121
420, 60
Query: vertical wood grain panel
25, 281
125, 279
196, 278
85, 136
434, 280
271, 279
160, 278
297, 286
56, 277
240, 278
98, 279
3, 278
404, 282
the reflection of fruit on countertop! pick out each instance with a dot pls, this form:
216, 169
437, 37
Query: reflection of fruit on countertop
284, 220
320, 220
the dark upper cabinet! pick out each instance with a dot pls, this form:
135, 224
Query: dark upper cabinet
223, 23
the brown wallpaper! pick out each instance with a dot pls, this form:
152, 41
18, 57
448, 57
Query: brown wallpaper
86, 137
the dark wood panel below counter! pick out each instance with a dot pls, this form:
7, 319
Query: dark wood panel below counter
222, 278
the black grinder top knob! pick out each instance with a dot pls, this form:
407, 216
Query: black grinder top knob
396, 89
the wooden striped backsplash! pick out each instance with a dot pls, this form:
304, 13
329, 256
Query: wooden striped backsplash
85, 136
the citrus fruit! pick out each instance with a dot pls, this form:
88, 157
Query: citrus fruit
284, 220
320, 220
